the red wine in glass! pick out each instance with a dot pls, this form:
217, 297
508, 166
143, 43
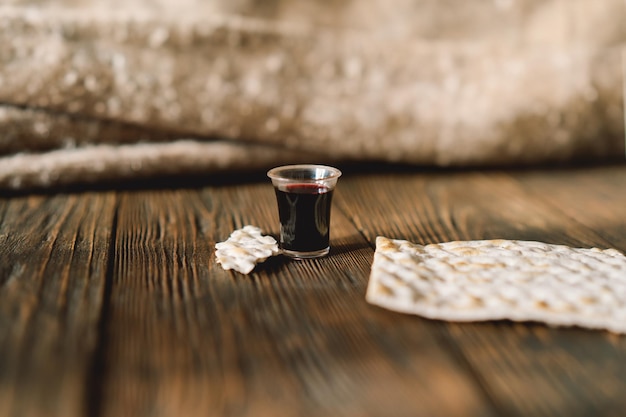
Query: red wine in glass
304, 212
304, 194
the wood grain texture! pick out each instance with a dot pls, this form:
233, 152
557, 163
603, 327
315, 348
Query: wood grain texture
590, 197
52, 278
525, 369
294, 338
112, 304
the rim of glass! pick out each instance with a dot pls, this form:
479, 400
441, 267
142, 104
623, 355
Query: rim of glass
277, 172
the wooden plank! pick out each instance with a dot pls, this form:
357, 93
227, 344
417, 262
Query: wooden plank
184, 337
525, 369
180, 336
436, 207
539, 371
593, 196
54, 254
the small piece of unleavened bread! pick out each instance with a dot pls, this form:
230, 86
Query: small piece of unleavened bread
501, 279
245, 248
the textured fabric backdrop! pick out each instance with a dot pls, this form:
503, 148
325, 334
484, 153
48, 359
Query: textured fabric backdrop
94, 91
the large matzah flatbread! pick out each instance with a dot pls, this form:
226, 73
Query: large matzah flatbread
501, 279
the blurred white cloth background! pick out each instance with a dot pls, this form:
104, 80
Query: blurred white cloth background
111, 90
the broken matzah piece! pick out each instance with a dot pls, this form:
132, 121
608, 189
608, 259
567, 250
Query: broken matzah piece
245, 248
501, 279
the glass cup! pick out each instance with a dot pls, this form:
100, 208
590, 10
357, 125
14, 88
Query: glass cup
304, 195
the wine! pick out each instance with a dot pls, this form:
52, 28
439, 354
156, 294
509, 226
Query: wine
304, 212
304, 193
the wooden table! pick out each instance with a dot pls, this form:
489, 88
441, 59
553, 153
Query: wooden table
111, 303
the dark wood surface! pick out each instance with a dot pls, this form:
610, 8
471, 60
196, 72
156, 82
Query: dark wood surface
112, 304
